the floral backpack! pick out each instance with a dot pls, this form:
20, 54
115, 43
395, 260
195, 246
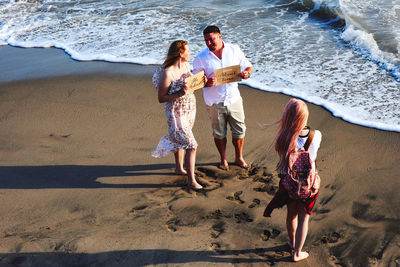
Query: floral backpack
301, 180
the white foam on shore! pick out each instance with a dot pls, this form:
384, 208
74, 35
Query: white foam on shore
351, 115
337, 110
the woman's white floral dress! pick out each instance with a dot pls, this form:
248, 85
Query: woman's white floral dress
181, 114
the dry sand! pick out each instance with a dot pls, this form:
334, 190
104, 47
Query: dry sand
78, 185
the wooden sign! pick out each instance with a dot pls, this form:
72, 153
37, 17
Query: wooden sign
195, 82
227, 75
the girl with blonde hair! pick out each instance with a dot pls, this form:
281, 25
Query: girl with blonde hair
292, 136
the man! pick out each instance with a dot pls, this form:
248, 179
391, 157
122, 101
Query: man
224, 103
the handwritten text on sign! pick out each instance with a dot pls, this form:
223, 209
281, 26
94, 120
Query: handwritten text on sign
195, 82
227, 75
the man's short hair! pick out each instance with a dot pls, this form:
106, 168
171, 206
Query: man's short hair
211, 29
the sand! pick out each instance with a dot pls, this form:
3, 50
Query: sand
78, 185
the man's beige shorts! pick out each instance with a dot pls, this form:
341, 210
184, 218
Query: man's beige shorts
221, 115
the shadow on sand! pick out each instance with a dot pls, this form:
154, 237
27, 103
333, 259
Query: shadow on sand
76, 176
142, 257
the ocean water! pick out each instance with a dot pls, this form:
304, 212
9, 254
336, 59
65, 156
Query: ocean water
341, 54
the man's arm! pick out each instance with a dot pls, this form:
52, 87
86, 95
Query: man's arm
244, 63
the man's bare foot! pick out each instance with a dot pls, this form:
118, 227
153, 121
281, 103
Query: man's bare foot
300, 256
195, 186
241, 163
180, 172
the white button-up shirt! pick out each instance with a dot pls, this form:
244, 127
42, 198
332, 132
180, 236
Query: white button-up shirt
208, 62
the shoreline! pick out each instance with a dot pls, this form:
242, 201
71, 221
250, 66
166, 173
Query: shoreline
62, 64
22, 64
79, 185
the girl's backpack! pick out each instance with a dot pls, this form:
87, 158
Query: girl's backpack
301, 180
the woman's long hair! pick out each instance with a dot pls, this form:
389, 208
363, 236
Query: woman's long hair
293, 120
174, 52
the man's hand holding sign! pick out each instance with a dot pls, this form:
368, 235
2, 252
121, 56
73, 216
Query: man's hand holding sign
227, 75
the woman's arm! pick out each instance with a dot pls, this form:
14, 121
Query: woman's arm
163, 87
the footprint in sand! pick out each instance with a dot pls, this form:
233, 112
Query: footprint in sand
218, 228
261, 179
215, 246
326, 200
268, 188
214, 172
171, 224
59, 137
330, 238
335, 261
359, 210
329, 186
272, 233
209, 185
322, 211
217, 214
48, 143
255, 202
242, 217
138, 208
236, 197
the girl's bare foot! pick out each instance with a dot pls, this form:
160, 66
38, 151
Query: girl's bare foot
300, 256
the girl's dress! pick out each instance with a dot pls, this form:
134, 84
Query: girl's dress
181, 114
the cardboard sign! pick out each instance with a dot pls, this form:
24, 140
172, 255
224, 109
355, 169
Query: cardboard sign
195, 82
227, 75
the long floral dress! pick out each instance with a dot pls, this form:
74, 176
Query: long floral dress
181, 114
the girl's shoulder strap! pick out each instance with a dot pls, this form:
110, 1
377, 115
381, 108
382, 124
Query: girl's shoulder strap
309, 139
172, 74
187, 67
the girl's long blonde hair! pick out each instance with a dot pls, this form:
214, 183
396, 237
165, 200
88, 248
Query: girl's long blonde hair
174, 52
293, 120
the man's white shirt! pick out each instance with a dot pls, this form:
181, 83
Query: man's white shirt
208, 62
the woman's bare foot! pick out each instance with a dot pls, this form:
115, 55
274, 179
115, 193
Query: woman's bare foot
180, 172
300, 256
224, 165
195, 185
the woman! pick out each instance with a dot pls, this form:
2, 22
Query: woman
180, 108
292, 136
